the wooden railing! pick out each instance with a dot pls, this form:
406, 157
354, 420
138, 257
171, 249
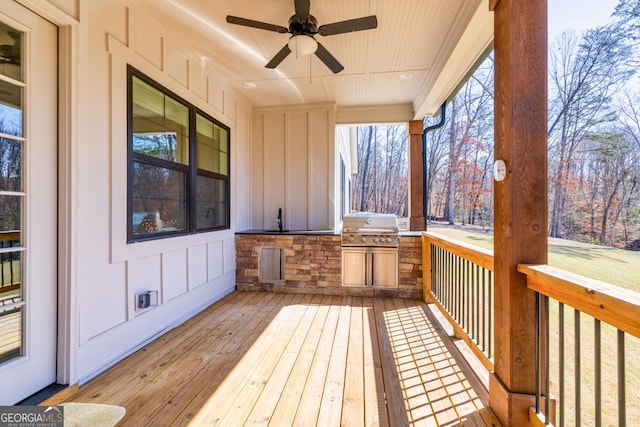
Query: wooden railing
458, 278
605, 320
589, 372
9, 264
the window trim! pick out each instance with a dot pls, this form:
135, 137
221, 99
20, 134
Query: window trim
191, 170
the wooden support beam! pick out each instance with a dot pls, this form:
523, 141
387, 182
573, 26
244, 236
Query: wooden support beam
426, 270
520, 203
416, 176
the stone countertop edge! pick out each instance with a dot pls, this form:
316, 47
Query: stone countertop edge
291, 232
315, 232
408, 233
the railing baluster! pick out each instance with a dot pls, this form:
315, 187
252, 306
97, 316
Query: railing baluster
11, 259
470, 313
458, 288
622, 389
477, 305
434, 268
447, 299
578, 383
440, 264
470, 298
561, 362
468, 292
537, 352
490, 305
460, 291
2, 265
464, 305
457, 293
442, 285
438, 257
440, 276
547, 368
447, 280
484, 315
463, 295
598, 371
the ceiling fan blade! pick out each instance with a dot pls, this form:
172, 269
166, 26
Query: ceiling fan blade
256, 24
276, 60
303, 9
358, 24
328, 59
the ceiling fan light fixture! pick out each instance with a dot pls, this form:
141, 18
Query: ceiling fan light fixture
302, 45
303, 27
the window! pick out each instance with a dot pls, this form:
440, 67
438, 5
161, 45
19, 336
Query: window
178, 165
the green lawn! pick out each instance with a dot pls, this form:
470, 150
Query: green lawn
615, 266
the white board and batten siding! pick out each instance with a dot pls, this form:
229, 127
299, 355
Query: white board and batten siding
281, 157
188, 272
293, 165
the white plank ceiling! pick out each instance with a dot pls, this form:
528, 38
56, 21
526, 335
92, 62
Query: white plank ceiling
419, 52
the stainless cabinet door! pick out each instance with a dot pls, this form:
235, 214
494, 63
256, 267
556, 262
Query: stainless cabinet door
385, 268
354, 267
271, 264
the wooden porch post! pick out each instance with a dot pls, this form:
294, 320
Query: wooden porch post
416, 174
520, 203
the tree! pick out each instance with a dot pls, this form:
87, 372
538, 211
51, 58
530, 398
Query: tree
381, 182
365, 138
603, 173
10, 173
630, 126
628, 13
469, 142
584, 74
436, 163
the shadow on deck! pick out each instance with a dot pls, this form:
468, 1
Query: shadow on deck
291, 359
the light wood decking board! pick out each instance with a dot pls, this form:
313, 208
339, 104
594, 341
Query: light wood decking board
293, 359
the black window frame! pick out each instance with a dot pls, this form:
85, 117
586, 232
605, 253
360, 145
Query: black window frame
190, 170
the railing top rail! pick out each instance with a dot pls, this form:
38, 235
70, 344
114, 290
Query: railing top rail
10, 235
614, 305
476, 254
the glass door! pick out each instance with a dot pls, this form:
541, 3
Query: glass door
12, 196
28, 202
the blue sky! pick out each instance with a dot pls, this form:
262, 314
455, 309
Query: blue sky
578, 14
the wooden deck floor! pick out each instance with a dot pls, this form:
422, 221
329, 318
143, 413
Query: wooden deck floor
287, 359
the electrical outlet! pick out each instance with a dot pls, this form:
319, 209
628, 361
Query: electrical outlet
146, 299
143, 300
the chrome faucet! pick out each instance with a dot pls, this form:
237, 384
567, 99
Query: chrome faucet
280, 219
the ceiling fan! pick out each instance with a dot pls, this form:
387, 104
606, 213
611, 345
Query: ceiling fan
303, 27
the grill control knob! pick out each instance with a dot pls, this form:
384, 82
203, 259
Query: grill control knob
363, 240
376, 240
350, 239
389, 240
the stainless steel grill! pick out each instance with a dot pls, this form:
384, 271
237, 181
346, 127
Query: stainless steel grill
370, 229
